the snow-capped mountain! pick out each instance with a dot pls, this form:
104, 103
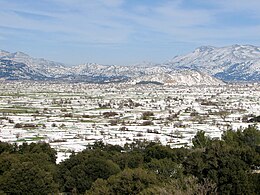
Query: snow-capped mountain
232, 63
113, 70
184, 77
145, 74
40, 65
11, 70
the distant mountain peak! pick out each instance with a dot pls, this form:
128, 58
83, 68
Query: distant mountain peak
230, 63
3, 53
21, 53
204, 48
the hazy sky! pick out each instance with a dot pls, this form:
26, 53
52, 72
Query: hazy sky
124, 31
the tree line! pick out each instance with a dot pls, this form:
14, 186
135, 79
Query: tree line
227, 166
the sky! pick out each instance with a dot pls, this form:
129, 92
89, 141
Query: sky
124, 32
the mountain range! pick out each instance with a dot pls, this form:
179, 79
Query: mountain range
205, 65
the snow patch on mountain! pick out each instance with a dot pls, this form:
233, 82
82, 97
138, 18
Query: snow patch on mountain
179, 78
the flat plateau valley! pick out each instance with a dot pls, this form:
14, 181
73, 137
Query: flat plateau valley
73, 116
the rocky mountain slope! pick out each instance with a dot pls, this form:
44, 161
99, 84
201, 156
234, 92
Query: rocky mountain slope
11, 70
232, 63
184, 77
40, 65
145, 74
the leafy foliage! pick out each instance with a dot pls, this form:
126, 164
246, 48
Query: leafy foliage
81, 170
200, 140
129, 181
27, 169
227, 166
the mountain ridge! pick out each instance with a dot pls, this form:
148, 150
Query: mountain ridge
231, 63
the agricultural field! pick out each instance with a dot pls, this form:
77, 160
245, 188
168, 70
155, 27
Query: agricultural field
73, 116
